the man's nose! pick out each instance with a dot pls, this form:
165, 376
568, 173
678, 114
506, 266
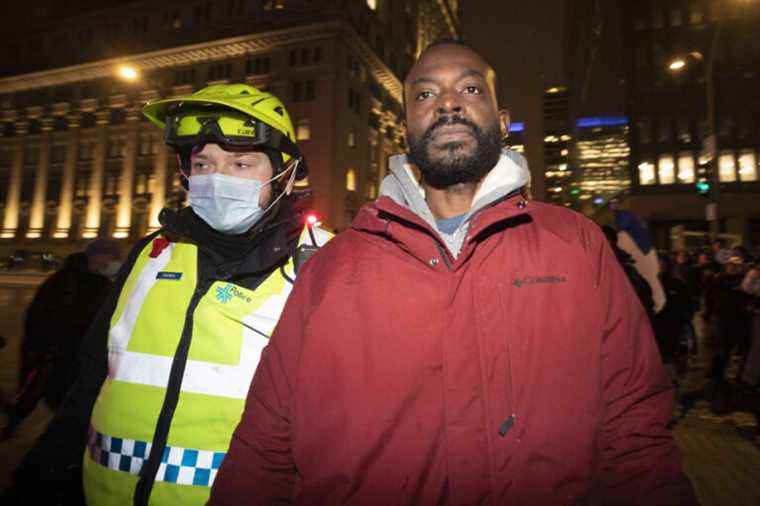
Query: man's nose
449, 103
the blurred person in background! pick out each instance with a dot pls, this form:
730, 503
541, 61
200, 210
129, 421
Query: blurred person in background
750, 377
671, 324
639, 284
727, 311
55, 323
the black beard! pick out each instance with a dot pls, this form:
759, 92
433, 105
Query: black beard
455, 168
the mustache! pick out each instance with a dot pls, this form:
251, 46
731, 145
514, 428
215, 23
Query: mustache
450, 120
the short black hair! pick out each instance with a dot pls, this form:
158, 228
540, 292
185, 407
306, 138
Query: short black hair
456, 41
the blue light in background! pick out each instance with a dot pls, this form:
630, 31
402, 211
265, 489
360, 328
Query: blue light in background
517, 126
600, 121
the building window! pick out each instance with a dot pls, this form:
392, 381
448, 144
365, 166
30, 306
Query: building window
666, 170
303, 129
304, 91
643, 127
372, 191
219, 71
293, 57
747, 166
351, 180
684, 130
257, 66
305, 56
685, 168
664, 130
184, 76
116, 147
676, 17
372, 4
352, 138
235, 7
354, 101
696, 15
657, 20
646, 173
726, 167
311, 92
297, 92
317, 54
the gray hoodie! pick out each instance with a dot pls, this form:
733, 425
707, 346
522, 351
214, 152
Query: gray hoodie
509, 174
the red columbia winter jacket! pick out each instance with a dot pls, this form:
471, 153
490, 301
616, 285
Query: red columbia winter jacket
523, 372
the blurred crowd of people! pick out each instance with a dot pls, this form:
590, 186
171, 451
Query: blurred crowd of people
720, 286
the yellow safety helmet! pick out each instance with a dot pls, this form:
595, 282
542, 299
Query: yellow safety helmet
233, 115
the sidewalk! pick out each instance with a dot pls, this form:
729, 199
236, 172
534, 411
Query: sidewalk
721, 453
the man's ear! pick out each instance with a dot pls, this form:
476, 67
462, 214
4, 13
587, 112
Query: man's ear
504, 122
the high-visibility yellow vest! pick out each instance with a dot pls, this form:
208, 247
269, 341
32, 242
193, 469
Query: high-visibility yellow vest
230, 326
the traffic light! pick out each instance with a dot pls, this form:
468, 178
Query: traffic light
703, 188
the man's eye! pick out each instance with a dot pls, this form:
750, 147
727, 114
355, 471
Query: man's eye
200, 166
473, 90
243, 165
423, 95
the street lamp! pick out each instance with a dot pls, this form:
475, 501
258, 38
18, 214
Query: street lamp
710, 143
127, 72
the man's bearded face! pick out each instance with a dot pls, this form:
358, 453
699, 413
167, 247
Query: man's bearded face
455, 150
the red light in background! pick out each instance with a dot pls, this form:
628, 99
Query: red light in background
311, 219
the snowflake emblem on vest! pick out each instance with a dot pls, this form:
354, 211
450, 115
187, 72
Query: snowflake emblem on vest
224, 293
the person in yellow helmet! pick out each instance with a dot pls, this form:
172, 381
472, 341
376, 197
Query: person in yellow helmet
167, 365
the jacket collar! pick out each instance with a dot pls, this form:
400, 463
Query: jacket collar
508, 175
271, 243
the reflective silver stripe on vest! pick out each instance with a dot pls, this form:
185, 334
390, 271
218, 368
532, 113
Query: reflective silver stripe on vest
219, 380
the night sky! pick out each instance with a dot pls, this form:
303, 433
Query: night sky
523, 41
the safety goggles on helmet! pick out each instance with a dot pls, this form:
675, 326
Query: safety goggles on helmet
197, 126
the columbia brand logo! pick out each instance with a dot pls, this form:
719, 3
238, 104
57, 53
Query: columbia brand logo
538, 280
225, 293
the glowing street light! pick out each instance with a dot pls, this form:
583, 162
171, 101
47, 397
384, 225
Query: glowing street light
677, 64
128, 73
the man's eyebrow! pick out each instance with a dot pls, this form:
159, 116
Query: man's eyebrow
466, 73
202, 157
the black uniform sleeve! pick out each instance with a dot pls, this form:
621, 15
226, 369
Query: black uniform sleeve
56, 456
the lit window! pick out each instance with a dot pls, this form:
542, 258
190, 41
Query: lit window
646, 173
352, 138
372, 4
747, 166
302, 183
667, 174
564, 152
727, 167
303, 130
372, 191
685, 168
351, 180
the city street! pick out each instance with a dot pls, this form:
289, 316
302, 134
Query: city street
721, 453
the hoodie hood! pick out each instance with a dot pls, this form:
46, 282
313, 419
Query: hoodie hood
508, 175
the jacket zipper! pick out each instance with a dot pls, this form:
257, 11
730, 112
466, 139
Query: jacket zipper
161, 434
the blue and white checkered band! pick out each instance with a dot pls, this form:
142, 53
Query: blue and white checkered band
183, 466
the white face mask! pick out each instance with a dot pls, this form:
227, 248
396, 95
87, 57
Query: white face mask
228, 204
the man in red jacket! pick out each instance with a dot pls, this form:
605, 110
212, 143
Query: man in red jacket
458, 345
